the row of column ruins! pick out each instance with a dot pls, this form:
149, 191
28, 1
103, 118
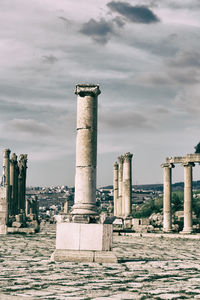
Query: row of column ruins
122, 186
187, 164
14, 183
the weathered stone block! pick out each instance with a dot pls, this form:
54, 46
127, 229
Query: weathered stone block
77, 236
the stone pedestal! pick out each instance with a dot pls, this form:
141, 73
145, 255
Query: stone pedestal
84, 243
187, 198
115, 188
167, 214
127, 185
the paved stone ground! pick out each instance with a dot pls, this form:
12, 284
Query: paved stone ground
156, 268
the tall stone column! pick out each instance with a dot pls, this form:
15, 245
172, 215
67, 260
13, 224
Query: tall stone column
22, 164
127, 185
167, 214
115, 188
84, 208
6, 166
120, 183
83, 239
13, 184
188, 197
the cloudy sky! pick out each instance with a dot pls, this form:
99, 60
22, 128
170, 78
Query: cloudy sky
145, 56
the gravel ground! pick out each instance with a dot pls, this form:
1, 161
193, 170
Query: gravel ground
153, 267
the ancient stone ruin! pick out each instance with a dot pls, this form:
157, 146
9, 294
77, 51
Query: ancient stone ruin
188, 162
82, 238
122, 186
16, 214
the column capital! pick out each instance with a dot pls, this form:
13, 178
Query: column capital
168, 165
87, 90
128, 156
121, 159
6, 153
116, 166
13, 158
188, 164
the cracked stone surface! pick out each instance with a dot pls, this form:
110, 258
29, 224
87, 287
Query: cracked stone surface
150, 268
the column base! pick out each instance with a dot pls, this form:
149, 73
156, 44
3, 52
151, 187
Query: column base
167, 230
82, 256
84, 210
186, 231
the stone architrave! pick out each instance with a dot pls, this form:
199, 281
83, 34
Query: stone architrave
86, 153
80, 240
127, 185
167, 214
13, 184
115, 188
6, 166
120, 183
188, 197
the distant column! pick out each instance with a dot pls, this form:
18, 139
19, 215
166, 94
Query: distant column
13, 184
127, 185
115, 188
85, 208
167, 214
22, 164
120, 182
6, 166
188, 197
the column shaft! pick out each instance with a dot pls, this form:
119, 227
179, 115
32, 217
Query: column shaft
167, 214
86, 150
6, 166
188, 197
120, 182
13, 185
127, 185
115, 188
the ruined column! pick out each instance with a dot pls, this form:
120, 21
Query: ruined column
167, 190
82, 239
84, 208
22, 164
6, 166
115, 188
188, 197
120, 182
13, 184
127, 185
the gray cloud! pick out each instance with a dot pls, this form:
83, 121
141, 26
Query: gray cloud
28, 126
50, 59
124, 120
185, 59
135, 14
99, 30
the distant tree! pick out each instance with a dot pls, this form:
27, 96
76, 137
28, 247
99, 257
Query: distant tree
197, 148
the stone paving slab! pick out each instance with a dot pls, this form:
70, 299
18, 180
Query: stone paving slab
151, 268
